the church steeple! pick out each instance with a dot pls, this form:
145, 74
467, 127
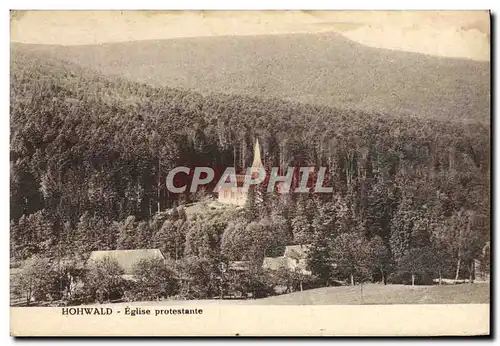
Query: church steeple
257, 162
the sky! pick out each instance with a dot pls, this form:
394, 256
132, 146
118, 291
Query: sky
460, 34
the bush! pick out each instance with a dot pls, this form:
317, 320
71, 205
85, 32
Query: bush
104, 282
254, 282
198, 277
292, 280
37, 281
155, 279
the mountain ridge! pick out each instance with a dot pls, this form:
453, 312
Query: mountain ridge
325, 69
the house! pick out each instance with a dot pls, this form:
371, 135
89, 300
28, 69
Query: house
297, 251
126, 259
234, 195
294, 258
277, 263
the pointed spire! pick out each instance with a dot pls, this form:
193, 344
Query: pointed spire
257, 162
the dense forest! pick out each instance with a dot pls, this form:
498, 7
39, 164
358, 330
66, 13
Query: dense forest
89, 155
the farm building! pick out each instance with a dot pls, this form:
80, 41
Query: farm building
294, 258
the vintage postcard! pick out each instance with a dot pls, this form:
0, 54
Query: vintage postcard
251, 173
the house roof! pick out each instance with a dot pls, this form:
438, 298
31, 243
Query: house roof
275, 263
126, 258
296, 251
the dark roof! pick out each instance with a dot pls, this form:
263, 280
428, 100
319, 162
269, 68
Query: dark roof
126, 258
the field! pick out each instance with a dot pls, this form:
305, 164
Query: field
351, 295
390, 294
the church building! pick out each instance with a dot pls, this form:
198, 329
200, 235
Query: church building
239, 197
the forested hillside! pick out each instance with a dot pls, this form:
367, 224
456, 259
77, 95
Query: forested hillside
89, 156
325, 69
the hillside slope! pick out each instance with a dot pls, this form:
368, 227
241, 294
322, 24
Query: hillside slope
325, 69
389, 294
373, 294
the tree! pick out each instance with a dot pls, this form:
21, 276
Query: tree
251, 203
319, 261
15, 245
472, 243
25, 195
324, 234
405, 226
144, 235
350, 256
156, 279
37, 280
199, 277
92, 233
170, 238
442, 248
418, 261
254, 240
292, 279
277, 234
34, 235
302, 229
204, 235
233, 243
104, 281
254, 281
379, 258
126, 236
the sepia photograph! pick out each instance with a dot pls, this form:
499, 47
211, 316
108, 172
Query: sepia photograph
175, 165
